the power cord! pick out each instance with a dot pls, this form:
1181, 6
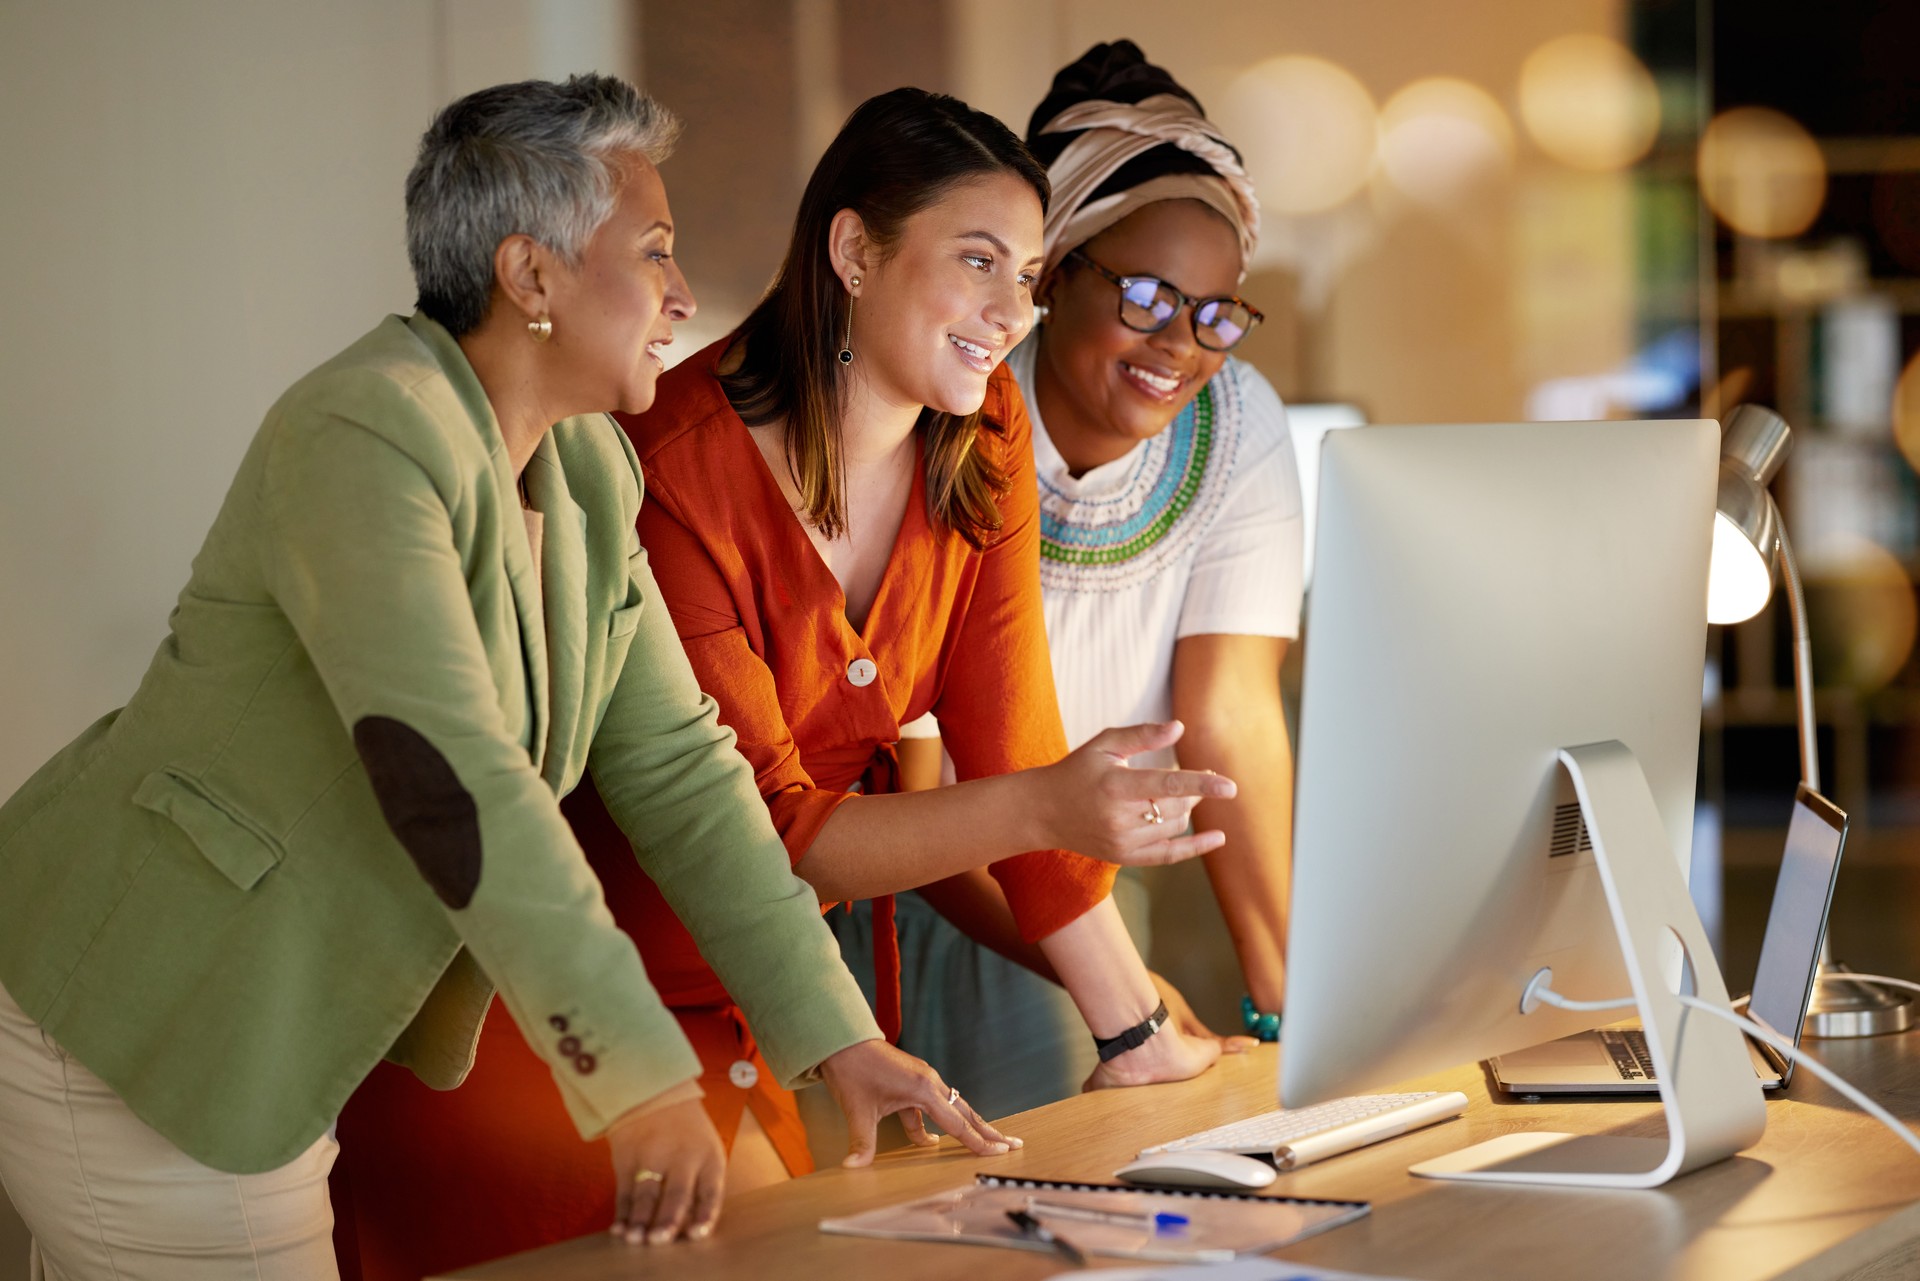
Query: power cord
1761, 1032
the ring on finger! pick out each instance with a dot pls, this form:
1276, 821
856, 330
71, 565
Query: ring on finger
1153, 815
953, 1095
644, 1175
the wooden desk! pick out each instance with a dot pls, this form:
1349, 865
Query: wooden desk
1828, 1193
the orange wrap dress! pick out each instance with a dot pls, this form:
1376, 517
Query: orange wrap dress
817, 704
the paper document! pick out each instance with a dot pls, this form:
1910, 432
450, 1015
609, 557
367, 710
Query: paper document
1122, 1223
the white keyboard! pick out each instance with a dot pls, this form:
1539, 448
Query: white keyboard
1297, 1136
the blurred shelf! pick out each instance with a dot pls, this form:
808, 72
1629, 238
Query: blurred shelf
1743, 302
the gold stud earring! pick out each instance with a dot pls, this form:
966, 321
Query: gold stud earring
846, 344
541, 329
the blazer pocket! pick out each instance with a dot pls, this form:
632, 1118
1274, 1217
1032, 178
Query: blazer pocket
238, 847
625, 619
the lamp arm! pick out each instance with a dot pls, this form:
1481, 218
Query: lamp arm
1802, 658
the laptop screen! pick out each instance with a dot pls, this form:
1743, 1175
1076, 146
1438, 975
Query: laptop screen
1790, 953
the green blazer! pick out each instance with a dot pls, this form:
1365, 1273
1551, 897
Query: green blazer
328, 823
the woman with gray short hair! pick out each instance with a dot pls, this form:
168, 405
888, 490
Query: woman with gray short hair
326, 828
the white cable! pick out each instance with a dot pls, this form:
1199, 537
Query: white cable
1848, 976
1553, 998
1762, 1032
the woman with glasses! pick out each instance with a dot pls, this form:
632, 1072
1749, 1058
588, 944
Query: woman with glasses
1170, 553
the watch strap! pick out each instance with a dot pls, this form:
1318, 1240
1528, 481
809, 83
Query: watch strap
1134, 1037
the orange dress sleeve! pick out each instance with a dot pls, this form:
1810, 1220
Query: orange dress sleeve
996, 707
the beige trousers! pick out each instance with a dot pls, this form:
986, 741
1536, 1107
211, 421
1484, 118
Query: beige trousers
107, 1198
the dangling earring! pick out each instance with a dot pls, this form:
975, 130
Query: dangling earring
541, 329
846, 345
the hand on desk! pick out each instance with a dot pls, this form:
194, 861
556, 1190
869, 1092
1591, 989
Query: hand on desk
873, 1079
669, 1171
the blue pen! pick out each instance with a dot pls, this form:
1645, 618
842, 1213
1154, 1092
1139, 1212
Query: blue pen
1160, 1223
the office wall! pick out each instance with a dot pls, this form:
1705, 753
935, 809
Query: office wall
202, 200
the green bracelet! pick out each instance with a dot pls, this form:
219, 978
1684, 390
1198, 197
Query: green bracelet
1264, 1026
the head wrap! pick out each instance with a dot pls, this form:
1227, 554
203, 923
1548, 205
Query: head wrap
1118, 133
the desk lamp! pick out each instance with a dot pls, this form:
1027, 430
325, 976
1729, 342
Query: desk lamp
1748, 538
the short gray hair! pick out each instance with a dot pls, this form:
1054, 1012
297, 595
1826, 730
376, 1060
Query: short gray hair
528, 158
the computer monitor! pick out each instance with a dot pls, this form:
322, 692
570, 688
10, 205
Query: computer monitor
1487, 598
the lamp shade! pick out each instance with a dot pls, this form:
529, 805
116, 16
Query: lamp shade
1746, 525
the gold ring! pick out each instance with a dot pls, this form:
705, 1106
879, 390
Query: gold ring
1153, 816
648, 1176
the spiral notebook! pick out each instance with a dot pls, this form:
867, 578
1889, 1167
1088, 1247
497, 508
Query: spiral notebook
1107, 1219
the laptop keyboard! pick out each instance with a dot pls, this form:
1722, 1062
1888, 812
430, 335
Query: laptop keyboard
1628, 1047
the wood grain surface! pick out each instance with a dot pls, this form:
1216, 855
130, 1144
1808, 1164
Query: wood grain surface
1827, 1193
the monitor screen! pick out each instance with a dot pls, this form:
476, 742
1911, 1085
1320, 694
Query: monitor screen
1486, 596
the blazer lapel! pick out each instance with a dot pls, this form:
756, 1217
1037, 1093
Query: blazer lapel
526, 603
515, 551
563, 588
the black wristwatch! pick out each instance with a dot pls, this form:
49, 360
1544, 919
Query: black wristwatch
1134, 1037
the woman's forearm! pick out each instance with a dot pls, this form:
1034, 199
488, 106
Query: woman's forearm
1237, 727
1102, 970
1251, 873
878, 845
1091, 801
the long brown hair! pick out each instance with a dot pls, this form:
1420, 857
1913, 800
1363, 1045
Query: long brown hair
897, 154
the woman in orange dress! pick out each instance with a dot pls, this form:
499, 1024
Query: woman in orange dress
842, 515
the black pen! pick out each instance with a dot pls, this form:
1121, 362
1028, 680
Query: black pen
1038, 1231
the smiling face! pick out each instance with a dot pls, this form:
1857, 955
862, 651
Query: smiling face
949, 299
1101, 387
612, 313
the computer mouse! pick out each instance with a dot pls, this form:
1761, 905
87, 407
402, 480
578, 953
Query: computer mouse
1199, 1168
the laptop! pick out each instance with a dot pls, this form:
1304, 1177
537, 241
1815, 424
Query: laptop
1614, 1060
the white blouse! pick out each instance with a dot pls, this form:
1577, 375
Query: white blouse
1196, 531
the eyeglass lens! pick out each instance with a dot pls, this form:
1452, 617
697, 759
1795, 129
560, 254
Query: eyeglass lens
1147, 305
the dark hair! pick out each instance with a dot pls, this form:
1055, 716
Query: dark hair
898, 153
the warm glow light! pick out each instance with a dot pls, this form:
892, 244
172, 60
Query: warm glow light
1861, 612
1906, 413
1308, 130
1442, 137
1739, 579
1762, 172
1589, 102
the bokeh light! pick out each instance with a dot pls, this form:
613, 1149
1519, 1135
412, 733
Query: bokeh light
1906, 413
1861, 615
1440, 138
1589, 103
1762, 173
1307, 128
